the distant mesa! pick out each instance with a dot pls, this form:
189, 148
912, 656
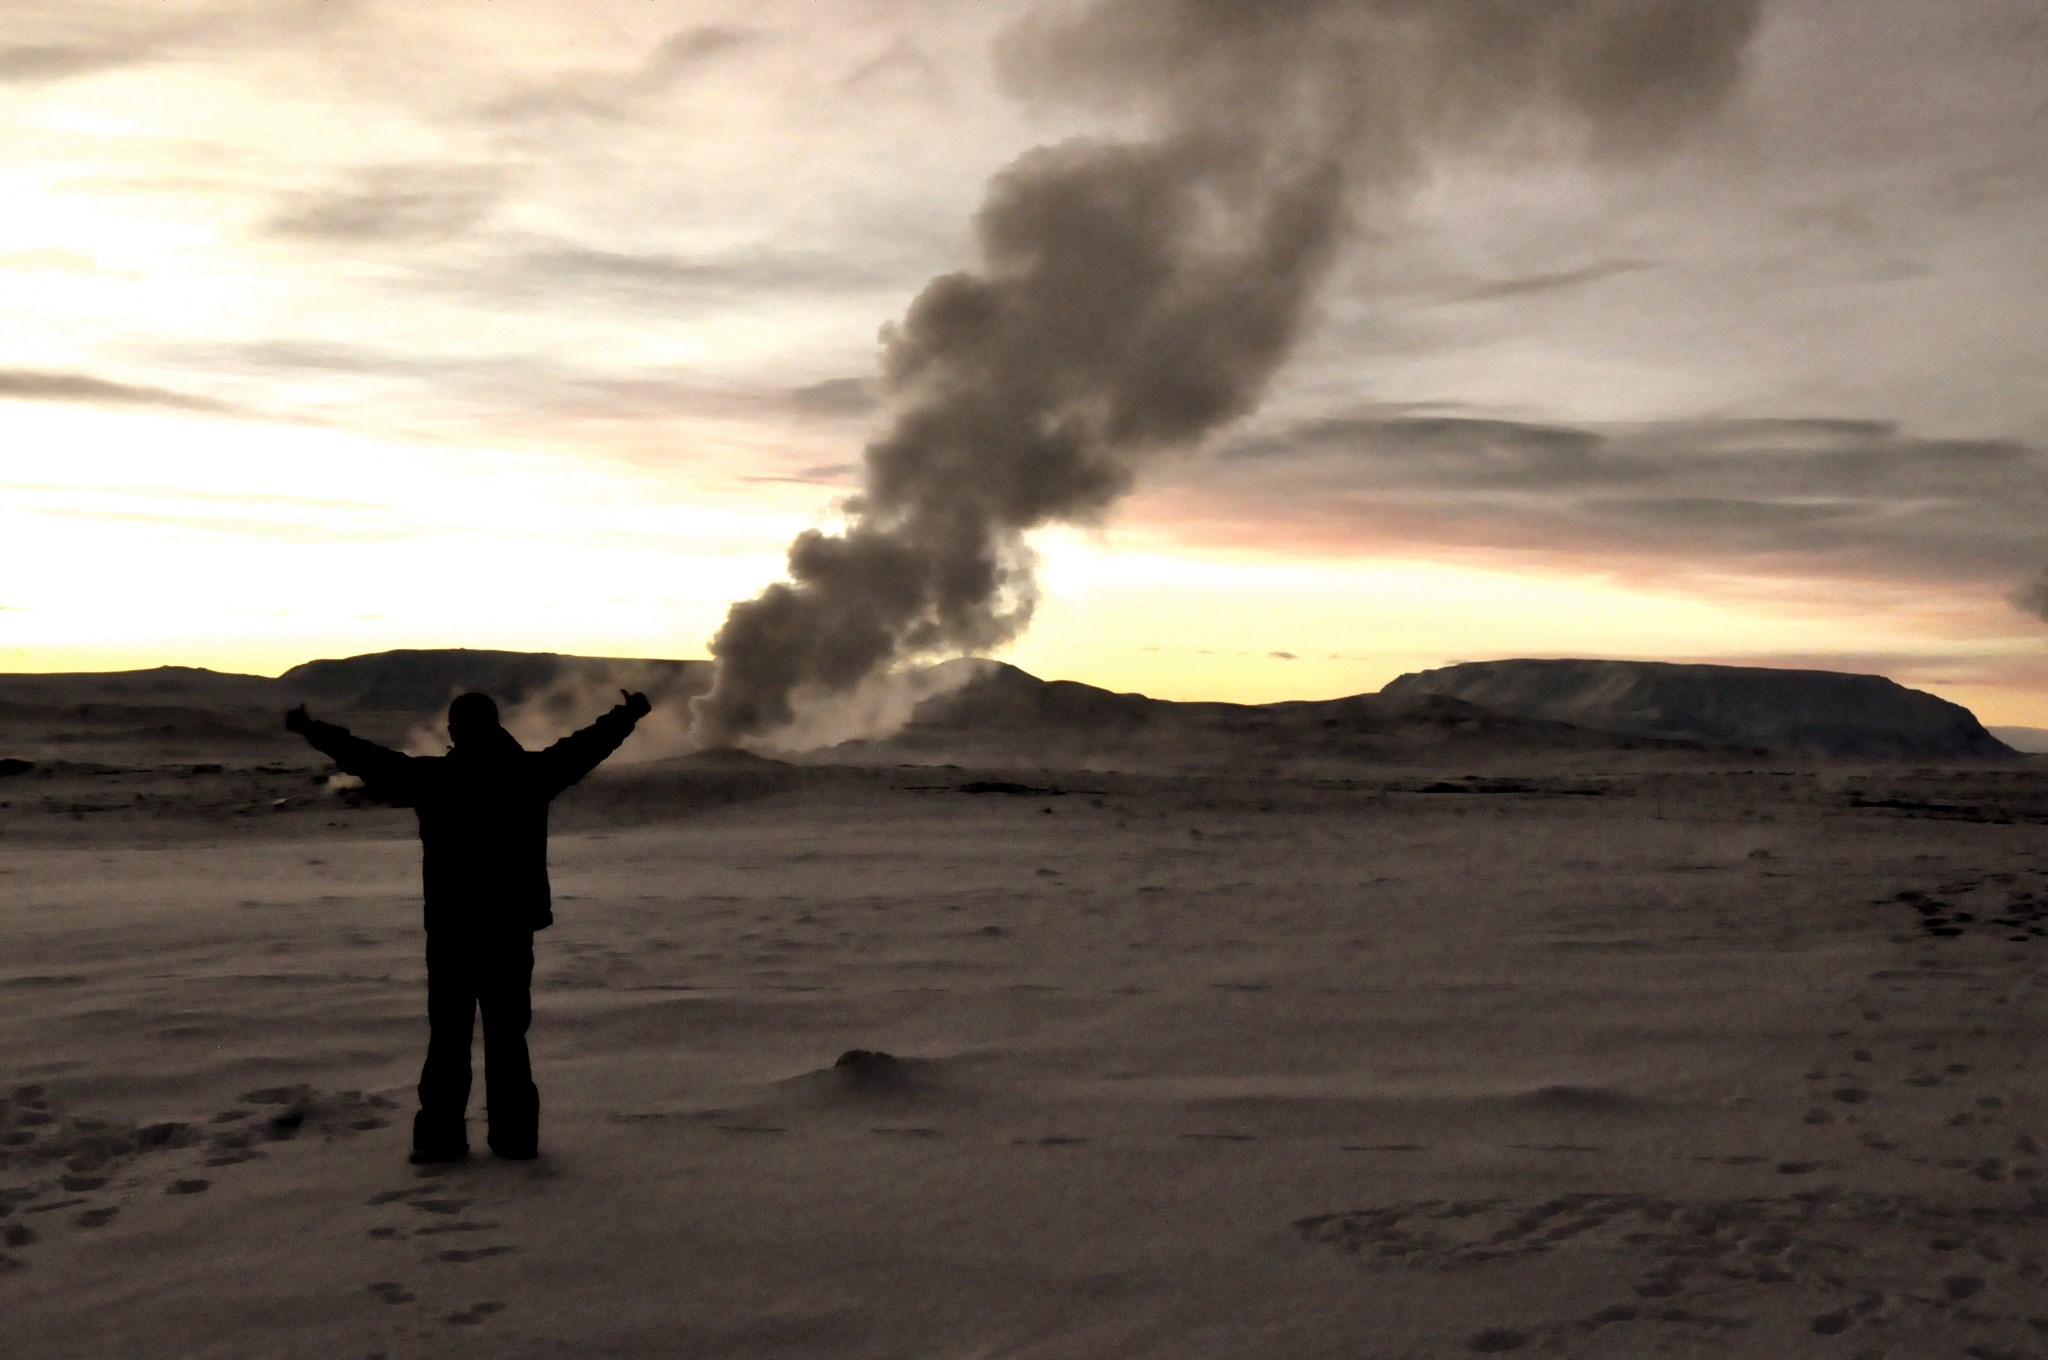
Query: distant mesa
2031, 740
1003, 715
11, 766
424, 680
1825, 713
160, 687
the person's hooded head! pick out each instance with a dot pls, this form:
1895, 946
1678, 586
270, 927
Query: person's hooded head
473, 725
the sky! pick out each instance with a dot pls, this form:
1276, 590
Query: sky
329, 326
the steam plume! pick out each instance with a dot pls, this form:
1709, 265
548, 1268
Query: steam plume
1134, 296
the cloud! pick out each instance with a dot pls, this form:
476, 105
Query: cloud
563, 275
41, 63
611, 96
904, 69
392, 205
92, 40
689, 48
88, 40
836, 397
1448, 449
1861, 460
1554, 281
2033, 597
823, 474
22, 384
1282, 656
629, 408
1677, 496
745, 271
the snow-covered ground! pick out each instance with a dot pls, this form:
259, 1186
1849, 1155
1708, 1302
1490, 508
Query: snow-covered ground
1599, 1054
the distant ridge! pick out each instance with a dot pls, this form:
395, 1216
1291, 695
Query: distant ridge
2032, 740
1001, 712
199, 714
159, 685
424, 680
988, 710
1796, 711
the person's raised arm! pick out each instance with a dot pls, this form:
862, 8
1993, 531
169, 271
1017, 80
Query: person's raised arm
577, 754
386, 771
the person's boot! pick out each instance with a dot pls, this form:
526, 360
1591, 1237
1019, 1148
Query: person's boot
435, 1140
519, 1143
515, 1123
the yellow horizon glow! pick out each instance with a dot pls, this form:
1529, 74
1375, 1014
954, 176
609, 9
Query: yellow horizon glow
144, 538
1182, 627
162, 539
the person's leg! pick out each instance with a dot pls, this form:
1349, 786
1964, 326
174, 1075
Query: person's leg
437, 1130
506, 995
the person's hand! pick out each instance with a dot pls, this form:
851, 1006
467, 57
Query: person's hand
636, 705
298, 720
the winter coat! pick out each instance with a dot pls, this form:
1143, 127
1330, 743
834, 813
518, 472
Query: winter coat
483, 814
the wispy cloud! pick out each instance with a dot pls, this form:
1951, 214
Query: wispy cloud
86, 41
749, 271
607, 96
686, 49
392, 204
836, 397
823, 474
566, 276
1859, 496
2033, 597
21, 384
630, 410
39, 63
519, 382
904, 68
76, 40
1554, 281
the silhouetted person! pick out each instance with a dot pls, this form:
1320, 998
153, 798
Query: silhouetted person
483, 812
